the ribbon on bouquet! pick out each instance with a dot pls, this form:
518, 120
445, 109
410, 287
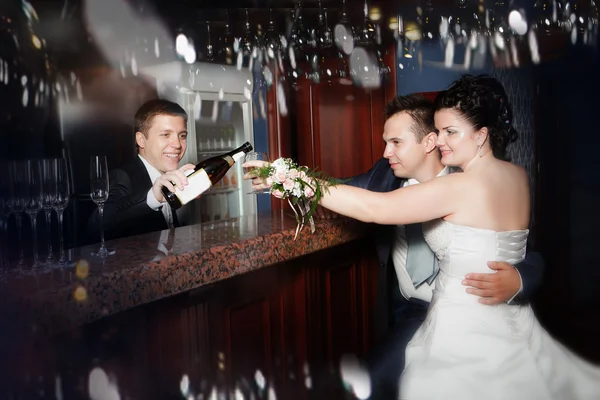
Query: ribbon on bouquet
303, 209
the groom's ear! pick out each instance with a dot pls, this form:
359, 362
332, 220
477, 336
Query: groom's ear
430, 142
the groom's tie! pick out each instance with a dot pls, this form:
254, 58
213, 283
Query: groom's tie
421, 263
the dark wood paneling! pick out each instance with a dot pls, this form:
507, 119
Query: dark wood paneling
339, 126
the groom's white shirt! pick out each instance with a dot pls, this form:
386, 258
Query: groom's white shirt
400, 251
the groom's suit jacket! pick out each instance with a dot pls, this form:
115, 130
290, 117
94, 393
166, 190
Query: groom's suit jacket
381, 178
126, 212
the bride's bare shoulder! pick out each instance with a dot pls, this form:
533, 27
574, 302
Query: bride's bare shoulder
519, 171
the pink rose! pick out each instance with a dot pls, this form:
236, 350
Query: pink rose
293, 173
277, 193
288, 184
280, 177
308, 192
302, 175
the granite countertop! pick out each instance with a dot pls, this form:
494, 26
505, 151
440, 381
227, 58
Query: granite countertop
156, 265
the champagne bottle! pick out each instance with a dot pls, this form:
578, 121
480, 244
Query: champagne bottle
204, 175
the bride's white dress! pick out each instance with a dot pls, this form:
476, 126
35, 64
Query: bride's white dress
466, 350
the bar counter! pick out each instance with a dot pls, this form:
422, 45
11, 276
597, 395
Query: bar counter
187, 300
149, 267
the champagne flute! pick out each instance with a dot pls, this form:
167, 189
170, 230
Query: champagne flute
16, 203
251, 156
50, 188
99, 188
33, 200
61, 201
4, 213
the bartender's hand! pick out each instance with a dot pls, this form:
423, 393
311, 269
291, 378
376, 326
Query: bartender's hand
258, 184
494, 288
171, 180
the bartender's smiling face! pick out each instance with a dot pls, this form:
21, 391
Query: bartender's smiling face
165, 142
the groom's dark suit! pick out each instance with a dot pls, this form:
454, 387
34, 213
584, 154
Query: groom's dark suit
126, 212
397, 318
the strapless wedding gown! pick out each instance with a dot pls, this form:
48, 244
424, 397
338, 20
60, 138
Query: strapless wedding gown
466, 350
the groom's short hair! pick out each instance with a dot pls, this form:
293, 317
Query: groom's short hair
419, 108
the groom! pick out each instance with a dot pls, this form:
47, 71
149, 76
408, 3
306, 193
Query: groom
408, 266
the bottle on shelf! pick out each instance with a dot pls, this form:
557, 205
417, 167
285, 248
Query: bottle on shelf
204, 175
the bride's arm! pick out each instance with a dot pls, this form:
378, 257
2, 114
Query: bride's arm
418, 203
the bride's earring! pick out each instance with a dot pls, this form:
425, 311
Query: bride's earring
479, 149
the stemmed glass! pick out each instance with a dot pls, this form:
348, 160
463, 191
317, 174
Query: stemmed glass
61, 201
99, 188
33, 200
256, 155
49, 186
4, 212
16, 204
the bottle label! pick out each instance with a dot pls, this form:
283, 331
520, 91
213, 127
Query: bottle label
198, 183
236, 157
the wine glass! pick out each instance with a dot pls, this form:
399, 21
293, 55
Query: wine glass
33, 200
251, 156
16, 203
4, 212
61, 201
49, 186
99, 188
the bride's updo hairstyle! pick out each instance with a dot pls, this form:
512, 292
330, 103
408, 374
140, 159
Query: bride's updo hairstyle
483, 102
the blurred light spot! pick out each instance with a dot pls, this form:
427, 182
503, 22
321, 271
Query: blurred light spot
517, 22
238, 395
375, 14
190, 55
134, 66
184, 385
363, 69
156, 48
181, 44
355, 377
80, 294
343, 38
37, 43
281, 100
100, 387
533, 47
82, 269
259, 378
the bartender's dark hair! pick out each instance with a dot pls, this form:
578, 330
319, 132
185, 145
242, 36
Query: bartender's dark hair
147, 111
420, 109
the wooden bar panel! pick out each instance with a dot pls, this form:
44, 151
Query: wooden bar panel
291, 321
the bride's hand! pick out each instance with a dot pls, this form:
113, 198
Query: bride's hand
258, 184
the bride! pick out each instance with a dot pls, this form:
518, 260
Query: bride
466, 350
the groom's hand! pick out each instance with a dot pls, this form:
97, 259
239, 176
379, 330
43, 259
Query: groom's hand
494, 288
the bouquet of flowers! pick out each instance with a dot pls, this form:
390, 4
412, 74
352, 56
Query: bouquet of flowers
299, 185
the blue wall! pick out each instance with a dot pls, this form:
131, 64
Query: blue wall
411, 78
261, 134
